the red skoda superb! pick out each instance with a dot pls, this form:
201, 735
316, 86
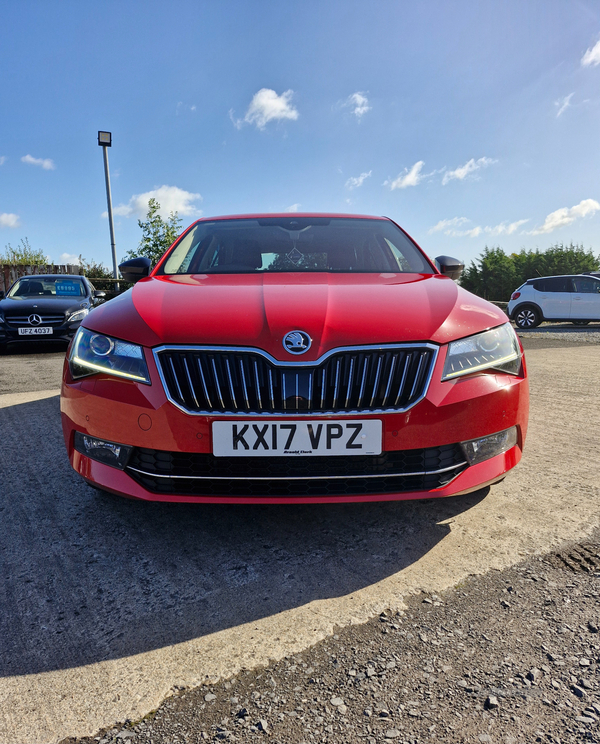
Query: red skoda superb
294, 358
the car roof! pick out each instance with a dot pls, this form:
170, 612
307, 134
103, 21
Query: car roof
293, 215
51, 276
560, 276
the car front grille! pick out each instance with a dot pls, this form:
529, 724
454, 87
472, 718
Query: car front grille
246, 381
195, 474
22, 321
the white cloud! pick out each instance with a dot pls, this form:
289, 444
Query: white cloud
170, 198
69, 258
566, 216
504, 229
407, 178
359, 104
448, 227
44, 163
592, 56
267, 106
446, 224
2, 159
293, 207
563, 104
355, 182
467, 169
474, 232
182, 107
9, 220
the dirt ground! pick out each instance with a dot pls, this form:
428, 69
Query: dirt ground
510, 657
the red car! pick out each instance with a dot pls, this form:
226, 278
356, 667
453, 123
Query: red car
294, 358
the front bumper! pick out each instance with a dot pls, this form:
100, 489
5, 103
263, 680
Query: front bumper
63, 333
141, 416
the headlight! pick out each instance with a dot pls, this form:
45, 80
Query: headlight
495, 349
94, 352
78, 315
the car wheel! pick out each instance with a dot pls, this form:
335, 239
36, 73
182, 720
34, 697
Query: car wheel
2, 348
580, 322
527, 317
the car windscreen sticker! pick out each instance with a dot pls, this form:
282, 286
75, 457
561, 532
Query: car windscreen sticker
295, 256
68, 289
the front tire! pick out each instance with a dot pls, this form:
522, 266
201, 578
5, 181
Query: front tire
527, 317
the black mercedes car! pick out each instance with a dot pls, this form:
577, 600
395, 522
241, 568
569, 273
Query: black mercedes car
46, 307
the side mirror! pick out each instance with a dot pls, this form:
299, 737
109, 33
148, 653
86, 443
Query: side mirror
135, 269
448, 266
99, 294
1, 295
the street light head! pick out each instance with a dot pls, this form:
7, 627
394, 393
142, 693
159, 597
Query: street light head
105, 139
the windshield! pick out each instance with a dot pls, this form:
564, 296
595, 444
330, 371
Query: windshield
48, 286
302, 244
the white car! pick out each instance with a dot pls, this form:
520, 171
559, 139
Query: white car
571, 297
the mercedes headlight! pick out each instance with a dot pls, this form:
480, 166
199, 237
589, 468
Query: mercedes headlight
92, 353
495, 349
78, 315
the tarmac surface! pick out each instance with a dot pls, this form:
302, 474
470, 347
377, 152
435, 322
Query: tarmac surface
112, 604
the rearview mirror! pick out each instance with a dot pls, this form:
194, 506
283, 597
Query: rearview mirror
135, 269
98, 293
448, 266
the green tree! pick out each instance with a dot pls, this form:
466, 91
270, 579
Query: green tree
93, 269
492, 276
495, 275
23, 254
157, 234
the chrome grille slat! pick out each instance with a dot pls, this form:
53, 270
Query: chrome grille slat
222, 380
349, 389
244, 388
214, 369
203, 381
363, 381
230, 383
407, 359
272, 396
377, 378
189, 379
283, 392
390, 379
257, 381
337, 383
417, 375
175, 378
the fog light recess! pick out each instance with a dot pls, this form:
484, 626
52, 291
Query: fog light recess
478, 450
108, 453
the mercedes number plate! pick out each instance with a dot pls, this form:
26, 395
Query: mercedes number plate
39, 331
296, 438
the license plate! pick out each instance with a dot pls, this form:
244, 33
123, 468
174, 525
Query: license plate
296, 438
40, 331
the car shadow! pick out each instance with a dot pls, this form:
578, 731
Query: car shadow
91, 576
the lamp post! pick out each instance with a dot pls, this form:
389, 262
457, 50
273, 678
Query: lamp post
105, 141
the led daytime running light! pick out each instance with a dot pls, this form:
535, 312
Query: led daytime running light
100, 368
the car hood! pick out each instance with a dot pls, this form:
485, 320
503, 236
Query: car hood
41, 305
257, 310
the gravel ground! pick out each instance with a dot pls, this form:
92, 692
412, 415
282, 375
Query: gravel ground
554, 335
511, 657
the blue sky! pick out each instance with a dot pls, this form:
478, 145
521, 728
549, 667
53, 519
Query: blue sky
470, 123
